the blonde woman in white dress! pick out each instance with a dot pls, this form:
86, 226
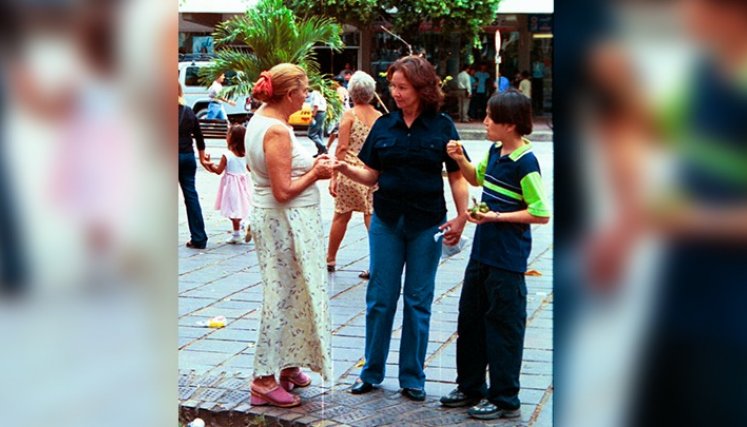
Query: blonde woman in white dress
287, 227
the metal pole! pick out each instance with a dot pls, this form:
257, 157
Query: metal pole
381, 103
497, 57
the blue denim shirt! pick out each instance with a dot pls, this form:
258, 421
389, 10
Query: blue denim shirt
410, 161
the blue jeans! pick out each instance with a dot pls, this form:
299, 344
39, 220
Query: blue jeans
216, 111
187, 171
392, 248
316, 131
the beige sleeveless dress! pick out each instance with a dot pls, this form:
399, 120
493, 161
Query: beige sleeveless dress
352, 196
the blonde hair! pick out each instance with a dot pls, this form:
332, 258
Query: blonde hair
284, 78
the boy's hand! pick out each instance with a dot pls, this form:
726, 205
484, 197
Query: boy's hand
481, 218
454, 150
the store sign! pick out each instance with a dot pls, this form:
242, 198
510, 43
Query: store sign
540, 23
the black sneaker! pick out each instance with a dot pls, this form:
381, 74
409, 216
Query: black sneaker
416, 394
488, 411
457, 399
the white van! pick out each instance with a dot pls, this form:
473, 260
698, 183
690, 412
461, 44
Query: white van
196, 94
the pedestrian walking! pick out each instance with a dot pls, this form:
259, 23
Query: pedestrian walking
342, 93
525, 84
234, 189
481, 91
405, 153
464, 84
502, 84
492, 305
538, 85
189, 134
351, 196
318, 114
216, 110
287, 227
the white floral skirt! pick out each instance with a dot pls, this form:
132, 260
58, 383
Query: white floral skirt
294, 324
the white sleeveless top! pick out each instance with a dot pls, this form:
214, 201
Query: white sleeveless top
301, 162
235, 165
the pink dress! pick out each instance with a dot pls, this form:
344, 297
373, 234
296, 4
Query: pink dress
233, 198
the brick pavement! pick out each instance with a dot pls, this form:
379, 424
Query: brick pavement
215, 365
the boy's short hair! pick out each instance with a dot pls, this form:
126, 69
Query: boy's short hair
512, 108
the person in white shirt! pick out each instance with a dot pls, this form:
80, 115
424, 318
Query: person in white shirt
464, 83
215, 107
318, 114
525, 85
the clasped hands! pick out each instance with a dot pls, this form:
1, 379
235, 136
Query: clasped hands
325, 166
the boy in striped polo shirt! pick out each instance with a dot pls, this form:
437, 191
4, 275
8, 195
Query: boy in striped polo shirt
492, 306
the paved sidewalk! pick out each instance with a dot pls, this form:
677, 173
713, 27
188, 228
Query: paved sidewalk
215, 365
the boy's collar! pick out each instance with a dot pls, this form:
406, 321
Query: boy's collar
517, 153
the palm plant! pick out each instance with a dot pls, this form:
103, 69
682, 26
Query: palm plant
267, 35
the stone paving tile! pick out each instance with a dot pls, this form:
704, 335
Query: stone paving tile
241, 361
189, 358
538, 382
217, 346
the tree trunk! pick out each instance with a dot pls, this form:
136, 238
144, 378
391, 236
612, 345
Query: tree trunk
364, 56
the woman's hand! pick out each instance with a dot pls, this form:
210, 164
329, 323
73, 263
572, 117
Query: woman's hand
454, 229
454, 150
341, 167
481, 218
333, 186
205, 162
323, 167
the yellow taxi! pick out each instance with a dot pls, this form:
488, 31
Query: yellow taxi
301, 118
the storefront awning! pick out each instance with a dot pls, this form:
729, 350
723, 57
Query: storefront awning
215, 6
526, 6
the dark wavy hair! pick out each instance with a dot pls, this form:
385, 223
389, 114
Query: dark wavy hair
422, 76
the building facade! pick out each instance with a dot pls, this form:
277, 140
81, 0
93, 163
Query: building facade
526, 33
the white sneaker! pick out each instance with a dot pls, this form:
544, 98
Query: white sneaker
234, 240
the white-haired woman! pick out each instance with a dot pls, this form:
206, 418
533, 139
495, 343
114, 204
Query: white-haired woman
349, 195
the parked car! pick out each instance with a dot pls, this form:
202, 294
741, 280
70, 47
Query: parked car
301, 119
196, 97
196, 94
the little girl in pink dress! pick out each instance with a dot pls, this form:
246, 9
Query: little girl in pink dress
233, 194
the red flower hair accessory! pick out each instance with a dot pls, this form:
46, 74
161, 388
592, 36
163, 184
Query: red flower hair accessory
265, 82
